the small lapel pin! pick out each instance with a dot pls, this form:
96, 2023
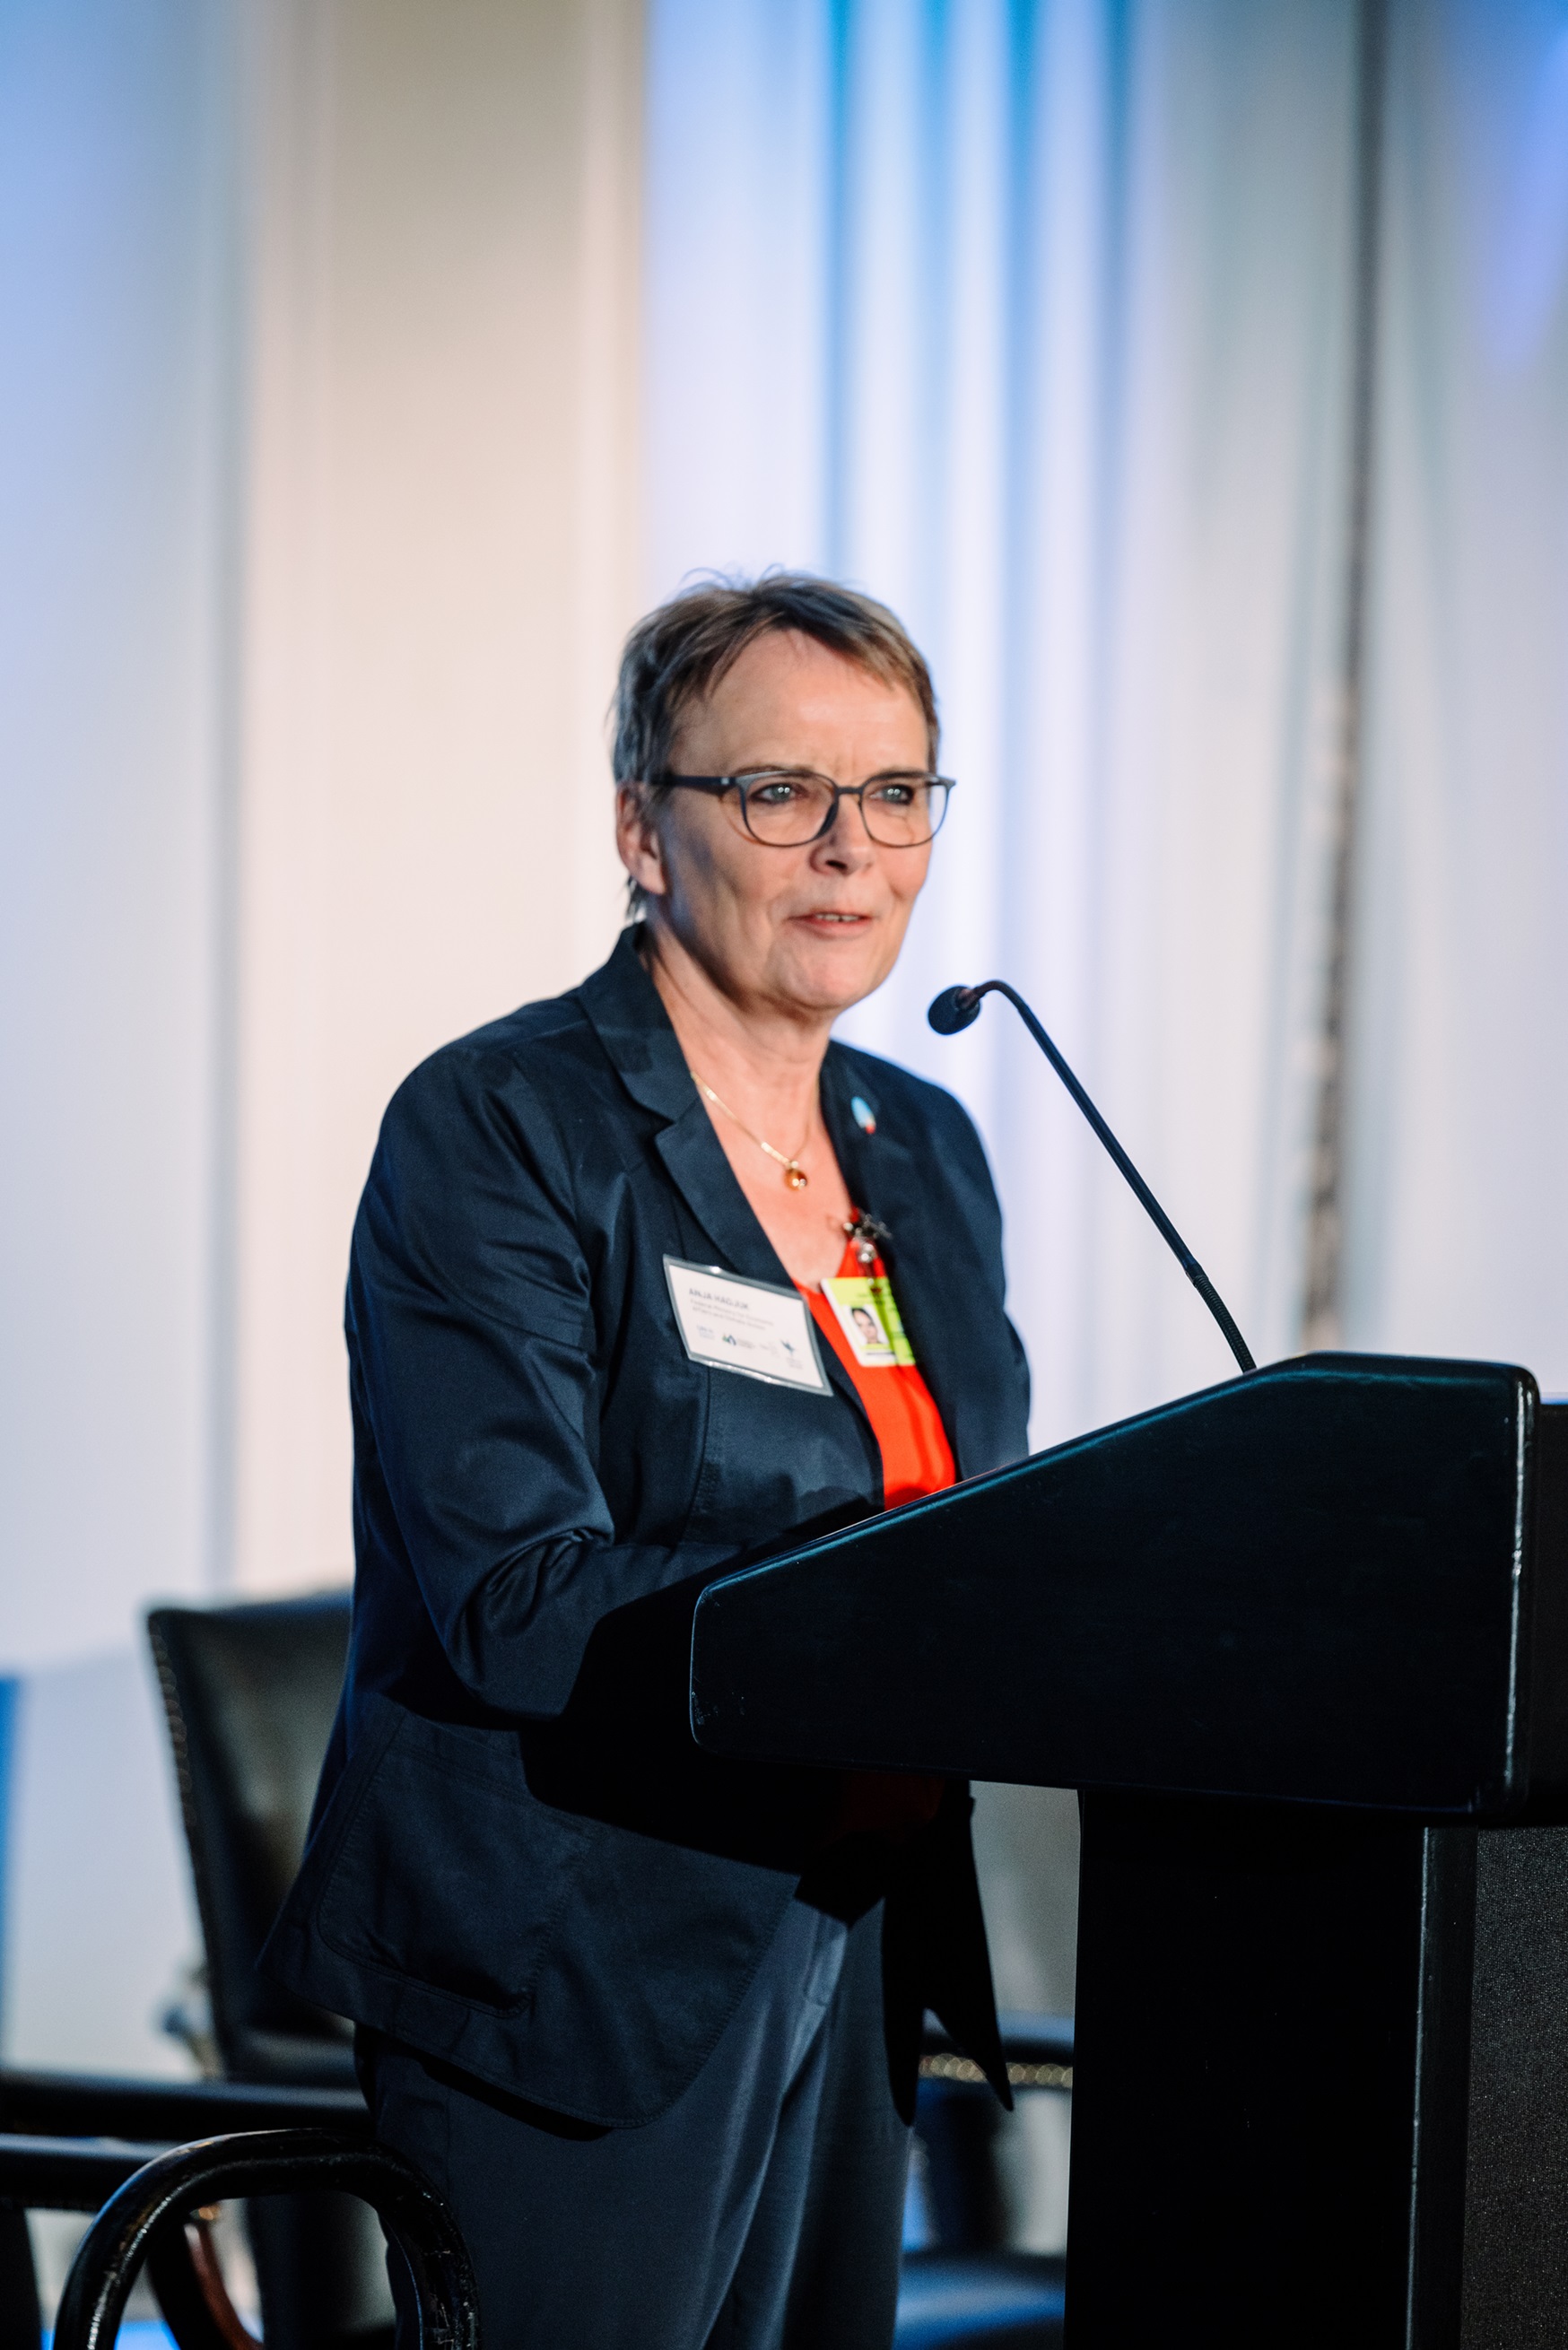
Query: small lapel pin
864, 1116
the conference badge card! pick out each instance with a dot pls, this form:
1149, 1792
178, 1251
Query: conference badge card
751, 1327
868, 1316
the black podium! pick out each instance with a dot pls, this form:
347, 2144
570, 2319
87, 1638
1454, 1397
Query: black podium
1302, 1642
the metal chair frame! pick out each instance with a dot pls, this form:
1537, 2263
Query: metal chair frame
74, 2142
144, 2197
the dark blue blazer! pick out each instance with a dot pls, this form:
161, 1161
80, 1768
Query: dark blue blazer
519, 1862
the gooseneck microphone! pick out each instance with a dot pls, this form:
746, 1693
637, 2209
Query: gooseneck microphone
957, 1007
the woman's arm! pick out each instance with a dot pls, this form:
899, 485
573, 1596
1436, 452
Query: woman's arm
482, 1303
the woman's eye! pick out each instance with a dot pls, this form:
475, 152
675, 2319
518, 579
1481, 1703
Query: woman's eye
899, 795
779, 791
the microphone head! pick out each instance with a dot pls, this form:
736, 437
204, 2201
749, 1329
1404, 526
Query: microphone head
953, 1008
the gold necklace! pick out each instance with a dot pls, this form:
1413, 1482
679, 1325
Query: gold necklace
794, 1174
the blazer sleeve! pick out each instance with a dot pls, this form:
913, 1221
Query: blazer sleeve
472, 1337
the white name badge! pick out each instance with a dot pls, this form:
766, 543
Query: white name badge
750, 1327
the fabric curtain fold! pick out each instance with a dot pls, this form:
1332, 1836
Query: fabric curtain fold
1033, 321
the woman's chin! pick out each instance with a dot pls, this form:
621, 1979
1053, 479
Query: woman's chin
824, 974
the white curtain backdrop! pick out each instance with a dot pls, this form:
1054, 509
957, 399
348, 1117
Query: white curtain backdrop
1455, 1235
1031, 315
1033, 321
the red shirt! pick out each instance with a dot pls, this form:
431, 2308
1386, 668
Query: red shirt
916, 1459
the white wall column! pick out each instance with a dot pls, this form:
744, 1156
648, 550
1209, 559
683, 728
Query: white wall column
440, 560
114, 216
317, 538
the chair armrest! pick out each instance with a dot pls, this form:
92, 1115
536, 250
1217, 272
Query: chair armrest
67, 2174
167, 2113
270, 2162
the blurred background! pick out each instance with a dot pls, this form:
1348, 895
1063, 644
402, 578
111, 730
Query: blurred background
1192, 378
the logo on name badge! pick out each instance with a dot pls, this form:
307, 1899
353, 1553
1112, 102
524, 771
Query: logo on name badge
751, 1327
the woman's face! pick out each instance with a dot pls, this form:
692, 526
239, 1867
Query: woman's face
808, 930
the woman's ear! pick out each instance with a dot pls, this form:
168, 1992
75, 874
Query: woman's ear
636, 838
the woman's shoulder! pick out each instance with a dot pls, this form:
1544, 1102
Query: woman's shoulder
567, 1053
894, 1098
932, 1130
529, 1095
544, 1049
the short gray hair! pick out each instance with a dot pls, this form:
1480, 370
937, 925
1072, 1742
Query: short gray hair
678, 654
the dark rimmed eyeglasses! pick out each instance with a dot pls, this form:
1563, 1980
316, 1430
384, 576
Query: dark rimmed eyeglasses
786, 807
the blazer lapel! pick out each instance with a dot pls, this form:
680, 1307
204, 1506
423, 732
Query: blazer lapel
706, 1182
632, 1024
929, 1264
633, 1027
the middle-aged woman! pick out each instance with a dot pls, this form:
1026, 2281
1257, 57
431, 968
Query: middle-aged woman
648, 1281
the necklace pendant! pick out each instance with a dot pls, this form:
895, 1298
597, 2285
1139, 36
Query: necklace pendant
795, 1175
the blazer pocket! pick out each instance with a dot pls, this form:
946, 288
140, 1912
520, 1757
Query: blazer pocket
447, 1872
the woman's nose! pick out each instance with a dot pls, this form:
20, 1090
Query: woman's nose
846, 841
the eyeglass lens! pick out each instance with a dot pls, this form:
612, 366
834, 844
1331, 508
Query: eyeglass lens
786, 810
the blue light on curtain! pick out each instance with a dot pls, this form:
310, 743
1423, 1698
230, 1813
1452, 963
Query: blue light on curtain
1032, 319
1459, 1050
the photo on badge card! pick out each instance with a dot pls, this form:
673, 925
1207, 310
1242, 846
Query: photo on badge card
866, 1314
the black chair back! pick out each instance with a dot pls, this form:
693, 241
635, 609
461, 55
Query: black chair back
251, 1692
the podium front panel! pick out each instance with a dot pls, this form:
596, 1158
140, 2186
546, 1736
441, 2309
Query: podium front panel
1311, 1585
